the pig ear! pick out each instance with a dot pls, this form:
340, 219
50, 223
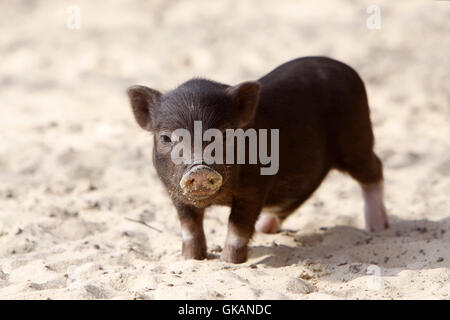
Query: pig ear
245, 99
143, 100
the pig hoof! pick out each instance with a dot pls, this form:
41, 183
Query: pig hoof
190, 252
378, 226
267, 223
234, 255
374, 210
378, 220
195, 256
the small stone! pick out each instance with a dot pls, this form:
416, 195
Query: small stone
355, 268
299, 286
216, 249
305, 276
422, 230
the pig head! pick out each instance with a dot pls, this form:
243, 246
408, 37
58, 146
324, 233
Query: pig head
194, 184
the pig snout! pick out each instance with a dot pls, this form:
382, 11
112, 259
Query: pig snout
201, 181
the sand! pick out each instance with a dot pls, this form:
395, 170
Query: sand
76, 171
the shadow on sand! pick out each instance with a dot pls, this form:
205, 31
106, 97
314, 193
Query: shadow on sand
407, 244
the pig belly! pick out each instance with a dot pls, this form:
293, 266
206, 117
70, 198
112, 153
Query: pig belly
287, 194
282, 206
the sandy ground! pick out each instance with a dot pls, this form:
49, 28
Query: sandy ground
76, 171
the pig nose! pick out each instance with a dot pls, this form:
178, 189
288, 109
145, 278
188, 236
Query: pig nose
201, 180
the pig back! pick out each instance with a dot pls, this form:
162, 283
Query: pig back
310, 101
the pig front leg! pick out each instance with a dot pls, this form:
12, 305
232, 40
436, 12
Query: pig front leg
193, 236
241, 225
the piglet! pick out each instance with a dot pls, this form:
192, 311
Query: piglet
311, 113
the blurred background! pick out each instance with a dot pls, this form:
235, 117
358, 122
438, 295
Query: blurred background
62, 85
69, 145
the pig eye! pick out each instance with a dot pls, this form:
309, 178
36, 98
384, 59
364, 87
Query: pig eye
165, 138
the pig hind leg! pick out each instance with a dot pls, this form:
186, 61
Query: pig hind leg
271, 219
357, 158
268, 223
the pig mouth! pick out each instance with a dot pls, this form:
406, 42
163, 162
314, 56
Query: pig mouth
199, 195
